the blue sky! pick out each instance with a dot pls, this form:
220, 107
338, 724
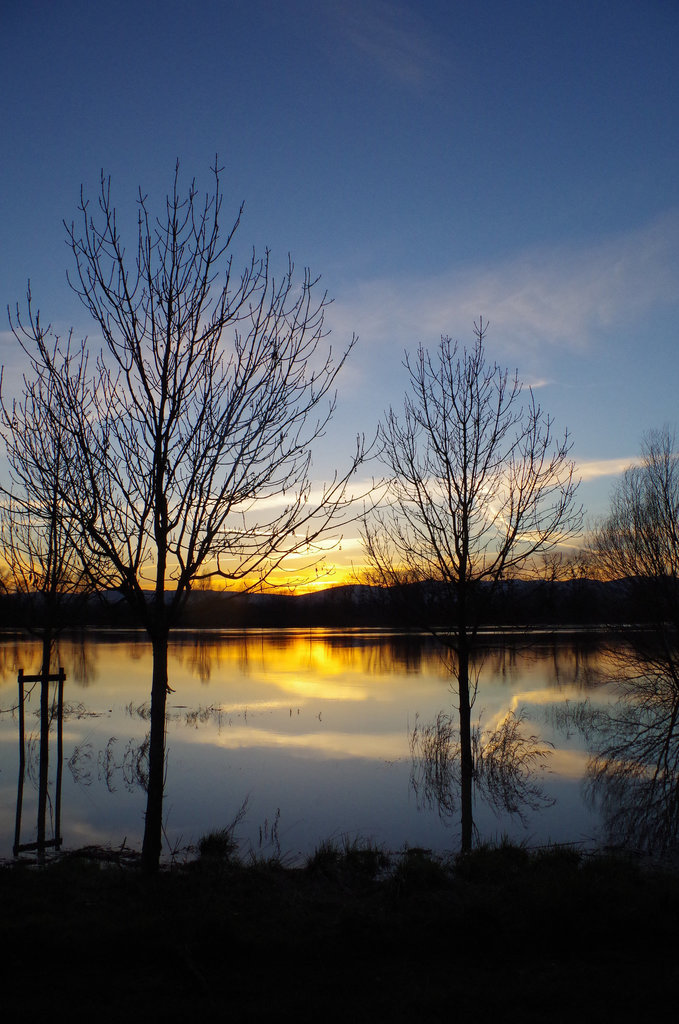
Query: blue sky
433, 161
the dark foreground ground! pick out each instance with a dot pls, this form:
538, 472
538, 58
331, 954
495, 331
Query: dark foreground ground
499, 935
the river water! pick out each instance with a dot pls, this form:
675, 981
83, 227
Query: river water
310, 734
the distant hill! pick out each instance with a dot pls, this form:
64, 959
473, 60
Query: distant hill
534, 603
518, 603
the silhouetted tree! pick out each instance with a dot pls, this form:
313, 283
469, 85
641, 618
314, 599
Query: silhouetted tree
638, 542
44, 570
43, 562
635, 771
190, 432
478, 488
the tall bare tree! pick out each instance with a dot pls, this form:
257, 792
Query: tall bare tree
478, 488
190, 431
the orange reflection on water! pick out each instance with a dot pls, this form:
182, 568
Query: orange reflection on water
309, 651
309, 664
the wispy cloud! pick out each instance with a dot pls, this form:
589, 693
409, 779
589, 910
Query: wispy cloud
595, 468
563, 295
391, 36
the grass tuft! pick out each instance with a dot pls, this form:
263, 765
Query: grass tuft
349, 860
492, 862
420, 870
219, 845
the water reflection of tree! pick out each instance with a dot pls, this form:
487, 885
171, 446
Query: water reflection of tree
83, 658
633, 772
378, 653
201, 657
507, 765
508, 761
78, 654
572, 659
9, 659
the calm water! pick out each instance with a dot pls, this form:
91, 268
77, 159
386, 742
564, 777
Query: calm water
313, 728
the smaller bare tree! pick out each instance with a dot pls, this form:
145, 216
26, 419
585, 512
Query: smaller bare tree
638, 542
45, 573
44, 564
636, 768
479, 487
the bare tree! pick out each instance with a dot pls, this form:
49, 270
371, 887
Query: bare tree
478, 488
636, 769
44, 571
638, 542
43, 563
190, 432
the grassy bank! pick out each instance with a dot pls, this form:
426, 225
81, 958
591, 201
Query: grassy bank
355, 935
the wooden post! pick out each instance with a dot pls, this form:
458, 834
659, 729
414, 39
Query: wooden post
42, 842
44, 757
22, 765
60, 756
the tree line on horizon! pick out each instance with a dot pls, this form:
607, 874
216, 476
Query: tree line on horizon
519, 607
178, 454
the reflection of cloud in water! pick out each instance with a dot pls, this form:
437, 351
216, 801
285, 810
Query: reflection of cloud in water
373, 746
570, 764
317, 689
491, 707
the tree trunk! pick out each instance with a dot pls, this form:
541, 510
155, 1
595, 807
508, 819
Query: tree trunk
44, 743
466, 758
151, 848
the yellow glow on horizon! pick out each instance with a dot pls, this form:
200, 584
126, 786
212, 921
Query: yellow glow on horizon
284, 581
333, 575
